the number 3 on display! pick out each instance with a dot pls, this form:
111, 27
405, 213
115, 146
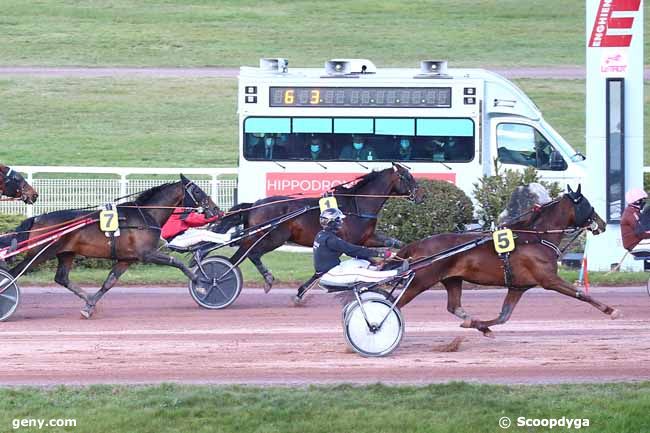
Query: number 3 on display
504, 241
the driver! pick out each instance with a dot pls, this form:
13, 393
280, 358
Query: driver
328, 247
634, 223
179, 229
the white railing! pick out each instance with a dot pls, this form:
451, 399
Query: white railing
108, 183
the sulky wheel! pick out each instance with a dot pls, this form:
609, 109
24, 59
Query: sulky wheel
368, 294
9, 295
370, 338
218, 284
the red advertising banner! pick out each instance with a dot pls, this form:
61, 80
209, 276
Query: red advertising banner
621, 24
315, 184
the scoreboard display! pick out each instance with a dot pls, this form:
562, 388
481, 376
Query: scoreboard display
345, 97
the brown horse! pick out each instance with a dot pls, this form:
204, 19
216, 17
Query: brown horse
361, 203
532, 263
140, 223
14, 185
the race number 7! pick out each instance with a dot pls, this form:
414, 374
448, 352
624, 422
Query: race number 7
108, 221
504, 241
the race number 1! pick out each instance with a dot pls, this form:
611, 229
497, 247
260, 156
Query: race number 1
504, 241
108, 221
327, 203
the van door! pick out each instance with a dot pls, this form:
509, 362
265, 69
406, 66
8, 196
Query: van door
518, 144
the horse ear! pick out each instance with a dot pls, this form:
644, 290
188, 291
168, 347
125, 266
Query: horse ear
184, 179
579, 188
568, 188
394, 166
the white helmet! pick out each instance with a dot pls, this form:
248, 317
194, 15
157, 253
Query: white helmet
635, 194
331, 218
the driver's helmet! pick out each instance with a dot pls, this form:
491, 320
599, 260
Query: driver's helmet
635, 195
331, 218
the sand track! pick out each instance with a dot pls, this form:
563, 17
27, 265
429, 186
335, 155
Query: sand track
144, 335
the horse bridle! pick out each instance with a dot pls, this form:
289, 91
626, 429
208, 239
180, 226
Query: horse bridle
413, 189
12, 183
584, 213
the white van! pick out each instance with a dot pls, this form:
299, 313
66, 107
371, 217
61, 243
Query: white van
304, 130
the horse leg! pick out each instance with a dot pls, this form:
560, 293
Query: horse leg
256, 258
559, 285
116, 272
62, 276
305, 287
158, 258
454, 287
509, 304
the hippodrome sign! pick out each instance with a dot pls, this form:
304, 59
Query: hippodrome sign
318, 183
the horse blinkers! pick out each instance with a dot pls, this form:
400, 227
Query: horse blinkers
15, 186
409, 183
194, 196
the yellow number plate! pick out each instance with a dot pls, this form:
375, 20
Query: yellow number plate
504, 241
108, 221
327, 203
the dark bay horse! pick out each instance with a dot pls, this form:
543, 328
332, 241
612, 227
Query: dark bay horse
360, 202
140, 223
532, 263
14, 185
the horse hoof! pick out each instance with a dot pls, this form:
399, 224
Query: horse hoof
268, 282
616, 314
488, 333
467, 323
297, 301
86, 314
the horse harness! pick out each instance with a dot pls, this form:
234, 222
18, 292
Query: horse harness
147, 219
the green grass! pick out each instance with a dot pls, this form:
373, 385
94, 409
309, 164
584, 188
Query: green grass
177, 122
455, 407
119, 122
236, 32
290, 269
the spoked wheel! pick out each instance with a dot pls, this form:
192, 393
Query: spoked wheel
9, 295
647, 287
368, 294
219, 284
376, 336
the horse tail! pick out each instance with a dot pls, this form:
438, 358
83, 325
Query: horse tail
20, 234
239, 215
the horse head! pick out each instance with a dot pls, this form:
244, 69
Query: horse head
14, 185
584, 214
194, 196
405, 184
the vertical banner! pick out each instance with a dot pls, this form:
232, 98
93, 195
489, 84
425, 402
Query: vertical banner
614, 118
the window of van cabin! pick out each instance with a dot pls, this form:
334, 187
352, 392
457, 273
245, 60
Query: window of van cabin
358, 139
521, 144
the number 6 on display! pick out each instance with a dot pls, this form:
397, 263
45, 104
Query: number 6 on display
504, 241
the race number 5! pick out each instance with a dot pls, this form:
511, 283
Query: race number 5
108, 221
504, 241
327, 203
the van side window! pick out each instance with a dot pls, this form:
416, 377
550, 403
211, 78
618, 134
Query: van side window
524, 145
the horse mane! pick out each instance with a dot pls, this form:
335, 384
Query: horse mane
526, 219
362, 181
147, 195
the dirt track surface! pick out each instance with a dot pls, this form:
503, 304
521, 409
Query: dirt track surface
160, 335
551, 72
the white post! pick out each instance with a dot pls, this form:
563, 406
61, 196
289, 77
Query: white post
614, 51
